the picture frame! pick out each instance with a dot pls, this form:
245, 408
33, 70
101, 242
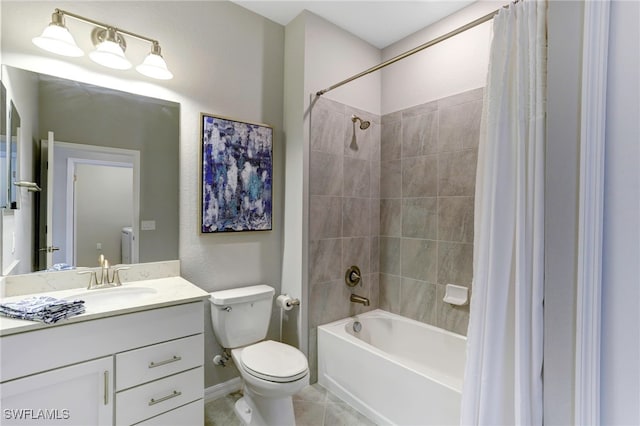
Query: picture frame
236, 175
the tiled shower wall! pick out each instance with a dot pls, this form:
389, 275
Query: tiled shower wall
429, 155
344, 214
397, 201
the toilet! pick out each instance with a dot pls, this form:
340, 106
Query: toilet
271, 371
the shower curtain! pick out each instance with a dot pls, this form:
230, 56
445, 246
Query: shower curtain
503, 376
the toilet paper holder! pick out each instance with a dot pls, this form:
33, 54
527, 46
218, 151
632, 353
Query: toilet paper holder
286, 302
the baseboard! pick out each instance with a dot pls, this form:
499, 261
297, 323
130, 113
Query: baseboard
222, 389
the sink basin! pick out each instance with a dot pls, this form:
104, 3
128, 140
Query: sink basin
114, 295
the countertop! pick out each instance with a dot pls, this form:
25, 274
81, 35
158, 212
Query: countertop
157, 293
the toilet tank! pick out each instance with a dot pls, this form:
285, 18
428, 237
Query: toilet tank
241, 316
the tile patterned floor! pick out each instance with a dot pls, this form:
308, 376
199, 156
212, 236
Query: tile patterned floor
313, 406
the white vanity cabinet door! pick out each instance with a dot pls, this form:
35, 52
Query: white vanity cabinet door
80, 394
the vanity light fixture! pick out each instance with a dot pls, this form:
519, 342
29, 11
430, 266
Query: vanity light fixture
110, 45
56, 38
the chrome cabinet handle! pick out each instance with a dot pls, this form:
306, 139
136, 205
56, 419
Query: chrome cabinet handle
166, 361
164, 398
106, 387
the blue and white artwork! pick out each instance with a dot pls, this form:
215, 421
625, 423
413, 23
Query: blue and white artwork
237, 160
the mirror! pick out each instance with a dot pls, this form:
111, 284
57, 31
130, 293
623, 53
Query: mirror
12, 152
107, 164
4, 174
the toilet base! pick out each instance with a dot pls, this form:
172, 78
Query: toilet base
254, 410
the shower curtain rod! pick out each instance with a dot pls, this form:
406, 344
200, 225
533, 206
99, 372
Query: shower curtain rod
430, 43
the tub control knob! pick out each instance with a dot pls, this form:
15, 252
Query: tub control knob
352, 276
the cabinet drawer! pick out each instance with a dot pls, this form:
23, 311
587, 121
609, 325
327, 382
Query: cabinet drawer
160, 360
152, 399
187, 415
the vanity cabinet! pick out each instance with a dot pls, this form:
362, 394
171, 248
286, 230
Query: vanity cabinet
80, 395
141, 367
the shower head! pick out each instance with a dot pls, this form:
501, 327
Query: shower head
364, 124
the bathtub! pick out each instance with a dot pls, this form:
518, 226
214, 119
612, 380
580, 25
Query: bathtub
394, 370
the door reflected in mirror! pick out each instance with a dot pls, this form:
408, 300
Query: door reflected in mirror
12, 153
4, 174
106, 161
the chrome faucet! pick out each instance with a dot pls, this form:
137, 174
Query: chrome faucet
359, 299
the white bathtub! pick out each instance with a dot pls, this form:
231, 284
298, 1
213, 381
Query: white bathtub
395, 370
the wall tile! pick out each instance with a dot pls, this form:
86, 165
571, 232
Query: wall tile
374, 183
391, 179
330, 302
313, 354
457, 173
420, 135
325, 174
374, 264
451, 317
390, 255
391, 141
419, 218
355, 217
357, 177
374, 290
418, 300
455, 219
419, 176
460, 126
390, 217
421, 109
375, 140
355, 251
325, 217
436, 189
455, 263
358, 143
374, 218
390, 293
391, 117
419, 259
327, 129
325, 260
461, 98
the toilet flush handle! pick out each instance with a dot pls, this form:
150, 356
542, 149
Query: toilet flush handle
227, 308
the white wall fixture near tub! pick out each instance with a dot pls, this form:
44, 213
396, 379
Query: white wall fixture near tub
456, 294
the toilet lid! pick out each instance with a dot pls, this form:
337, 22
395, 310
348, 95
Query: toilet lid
274, 361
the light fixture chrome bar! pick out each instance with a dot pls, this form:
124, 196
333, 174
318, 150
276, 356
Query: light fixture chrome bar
105, 26
415, 50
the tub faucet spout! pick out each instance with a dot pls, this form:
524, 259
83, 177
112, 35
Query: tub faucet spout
359, 299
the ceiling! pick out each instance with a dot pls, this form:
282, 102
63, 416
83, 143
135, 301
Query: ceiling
380, 23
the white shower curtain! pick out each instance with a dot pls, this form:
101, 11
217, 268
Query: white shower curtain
503, 376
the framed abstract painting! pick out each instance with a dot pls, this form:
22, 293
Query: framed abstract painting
237, 175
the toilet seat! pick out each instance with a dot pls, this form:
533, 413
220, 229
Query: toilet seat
274, 361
